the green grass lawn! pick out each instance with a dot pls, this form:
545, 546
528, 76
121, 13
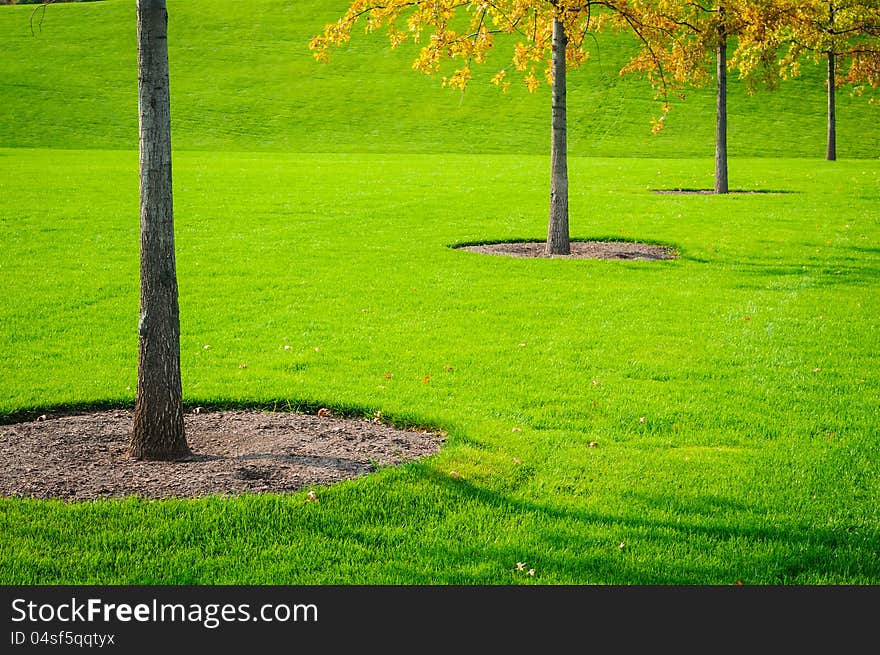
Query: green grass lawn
243, 79
733, 392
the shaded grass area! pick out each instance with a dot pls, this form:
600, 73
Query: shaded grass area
732, 393
667, 539
243, 79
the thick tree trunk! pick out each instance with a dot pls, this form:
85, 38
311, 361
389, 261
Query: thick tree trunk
158, 416
557, 229
721, 185
831, 153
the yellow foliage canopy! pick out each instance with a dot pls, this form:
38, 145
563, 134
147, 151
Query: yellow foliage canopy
678, 36
464, 31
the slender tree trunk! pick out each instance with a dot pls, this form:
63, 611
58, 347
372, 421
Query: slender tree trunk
831, 153
557, 229
721, 185
158, 416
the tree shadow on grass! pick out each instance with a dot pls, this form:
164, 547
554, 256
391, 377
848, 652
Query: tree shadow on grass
681, 549
853, 270
864, 250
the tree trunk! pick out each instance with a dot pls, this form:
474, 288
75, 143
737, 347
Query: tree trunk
831, 153
557, 229
158, 415
721, 185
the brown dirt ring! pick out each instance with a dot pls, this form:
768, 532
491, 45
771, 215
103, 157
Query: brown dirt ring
84, 456
579, 250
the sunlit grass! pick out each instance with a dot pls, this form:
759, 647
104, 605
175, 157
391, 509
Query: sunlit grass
732, 394
243, 79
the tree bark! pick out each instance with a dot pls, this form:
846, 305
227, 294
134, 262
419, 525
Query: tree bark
721, 184
557, 230
831, 152
158, 417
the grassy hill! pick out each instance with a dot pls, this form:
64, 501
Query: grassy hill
243, 80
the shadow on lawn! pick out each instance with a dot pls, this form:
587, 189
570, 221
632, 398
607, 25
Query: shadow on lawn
578, 544
27, 414
401, 421
844, 271
862, 249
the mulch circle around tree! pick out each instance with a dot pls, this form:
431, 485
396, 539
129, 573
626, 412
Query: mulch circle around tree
579, 250
685, 192
83, 457
711, 192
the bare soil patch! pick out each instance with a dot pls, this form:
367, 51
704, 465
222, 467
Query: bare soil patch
85, 456
685, 192
711, 192
579, 250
